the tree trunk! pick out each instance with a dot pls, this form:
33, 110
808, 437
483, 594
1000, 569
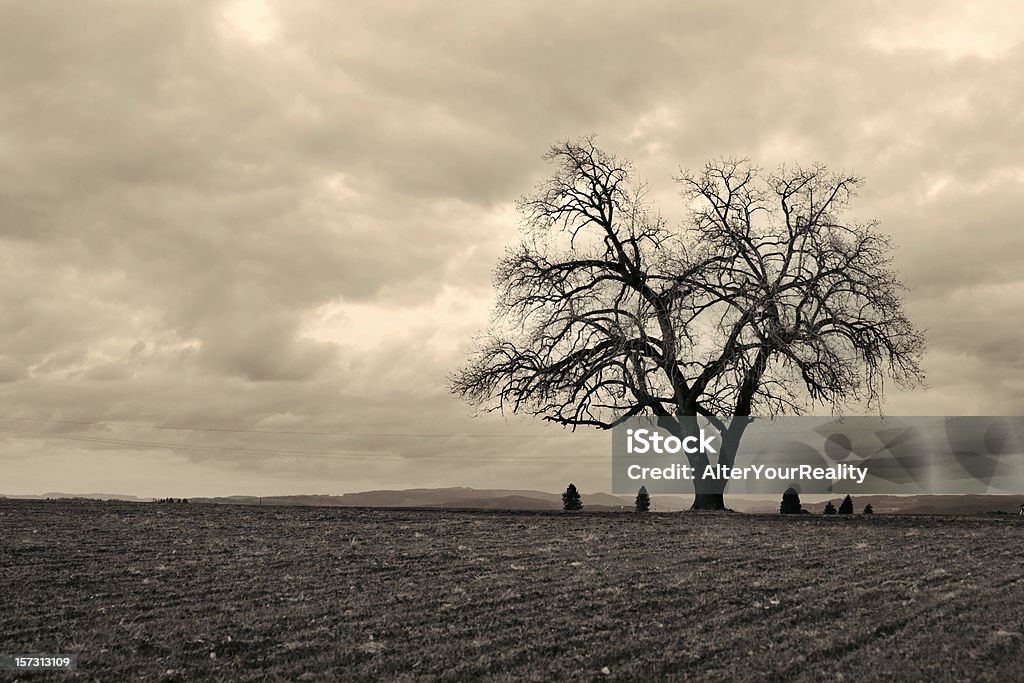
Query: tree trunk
708, 501
708, 496
711, 495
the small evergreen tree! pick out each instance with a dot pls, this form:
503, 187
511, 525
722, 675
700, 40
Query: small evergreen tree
571, 499
790, 502
830, 509
846, 507
868, 510
643, 500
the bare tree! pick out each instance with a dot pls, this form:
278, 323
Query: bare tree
767, 302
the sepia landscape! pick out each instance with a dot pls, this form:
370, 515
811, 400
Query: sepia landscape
323, 325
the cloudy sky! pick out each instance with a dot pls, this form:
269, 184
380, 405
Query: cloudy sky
280, 218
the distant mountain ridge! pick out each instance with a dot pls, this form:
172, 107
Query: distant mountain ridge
89, 496
933, 505
939, 504
455, 497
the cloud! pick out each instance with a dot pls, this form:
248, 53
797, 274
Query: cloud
258, 212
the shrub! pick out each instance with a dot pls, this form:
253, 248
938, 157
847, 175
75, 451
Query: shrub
846, 507
571, 499
643, 500
868, 510
830, 509
790, 502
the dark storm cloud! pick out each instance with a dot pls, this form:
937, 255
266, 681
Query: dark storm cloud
283, 215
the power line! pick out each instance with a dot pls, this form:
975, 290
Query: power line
302, 433
265, 451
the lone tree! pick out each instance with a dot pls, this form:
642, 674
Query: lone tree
571, 499
790, 502
830, 509
868, 510
643, 500
846, 507
767, 301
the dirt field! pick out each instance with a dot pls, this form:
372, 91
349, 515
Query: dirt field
187, 592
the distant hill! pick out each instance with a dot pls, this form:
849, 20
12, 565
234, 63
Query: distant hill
494, 499
504, 503
975, 504
934, 505
88, 496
